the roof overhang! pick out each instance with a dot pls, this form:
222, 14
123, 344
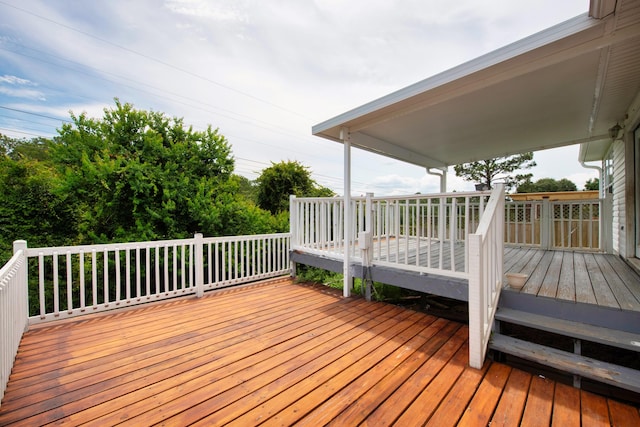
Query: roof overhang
566, 85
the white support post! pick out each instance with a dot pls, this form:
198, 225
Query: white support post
476, 301
606, 223
348, 280
21, 245
442, 174
293, 220
546, 224
293, 229
199, 264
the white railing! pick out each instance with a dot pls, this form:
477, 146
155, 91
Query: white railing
316, 224
486, 260
422, 232
76, 280
523, 223
562, 224
13, 311
576, 224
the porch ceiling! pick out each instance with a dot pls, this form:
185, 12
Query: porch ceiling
566, 85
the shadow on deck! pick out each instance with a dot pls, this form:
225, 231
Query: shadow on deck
278, 353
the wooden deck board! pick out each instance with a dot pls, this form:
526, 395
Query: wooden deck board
278, 353
601, 289
584, 289
591, 278
568, 405
551, 280
629, 276
566, 282
538, 273
514, 396
482, 406
539, 407
621, 293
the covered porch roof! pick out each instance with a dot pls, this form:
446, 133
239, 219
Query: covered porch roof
569, 84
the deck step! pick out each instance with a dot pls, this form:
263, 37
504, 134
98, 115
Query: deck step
582, 366
598, 334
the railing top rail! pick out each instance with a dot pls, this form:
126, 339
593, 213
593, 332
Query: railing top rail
576, 202
485, 222
324, 199
46, 251
407, 197
8, 270
245, 237
435, 196
106, 246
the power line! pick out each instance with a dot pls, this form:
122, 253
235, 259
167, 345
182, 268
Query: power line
97, 74
151, 58
252, 121
34, 114
24, 133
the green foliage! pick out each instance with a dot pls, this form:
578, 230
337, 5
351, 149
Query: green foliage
546, 185
307, 273
500, 169
248, 189
592, 184
380, 291
277, 182
135, 175
131, 175
138, 175
32, 209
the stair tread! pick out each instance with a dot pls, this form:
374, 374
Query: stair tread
586, 367
599, 334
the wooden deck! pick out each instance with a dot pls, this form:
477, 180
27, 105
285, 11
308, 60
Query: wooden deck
584, 277
279, 353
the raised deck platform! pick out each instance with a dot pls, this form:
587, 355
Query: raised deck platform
592, 278
592, 288
278, 353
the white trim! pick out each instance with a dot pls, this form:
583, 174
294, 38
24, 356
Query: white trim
346, 140
599, 9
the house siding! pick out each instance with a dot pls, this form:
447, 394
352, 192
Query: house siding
619, 198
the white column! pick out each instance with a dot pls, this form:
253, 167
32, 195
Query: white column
346, 140
442, 174
198, 241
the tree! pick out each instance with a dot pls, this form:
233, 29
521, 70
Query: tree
501, 169
592, 184
277, 182
139, 175
31, 208
546, 185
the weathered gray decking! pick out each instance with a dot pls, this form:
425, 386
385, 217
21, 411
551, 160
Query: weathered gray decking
583, 277
592, 278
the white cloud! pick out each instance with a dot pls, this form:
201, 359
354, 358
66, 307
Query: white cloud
204, 9
263, 72
13, 80
17, 87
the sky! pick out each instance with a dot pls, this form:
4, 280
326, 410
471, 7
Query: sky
261, 71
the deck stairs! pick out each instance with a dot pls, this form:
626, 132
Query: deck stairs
566, 361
